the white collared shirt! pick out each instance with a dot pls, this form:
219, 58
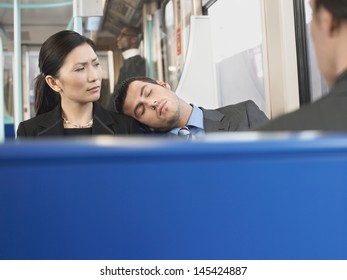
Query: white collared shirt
130, 53
195, 123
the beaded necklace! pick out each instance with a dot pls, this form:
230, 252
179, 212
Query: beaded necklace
88, 124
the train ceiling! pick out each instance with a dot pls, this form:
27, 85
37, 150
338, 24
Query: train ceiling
39, 22
117, 14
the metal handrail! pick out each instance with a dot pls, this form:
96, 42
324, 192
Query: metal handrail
17, 70
2, 96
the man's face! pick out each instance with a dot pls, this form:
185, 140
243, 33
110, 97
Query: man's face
125, 39
153, 105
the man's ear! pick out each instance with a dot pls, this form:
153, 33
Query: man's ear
327, 21
134, 41
52, 83
163, 84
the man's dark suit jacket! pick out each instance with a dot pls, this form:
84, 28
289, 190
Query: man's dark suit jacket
104, 122
329, 113
132, 67
237, 117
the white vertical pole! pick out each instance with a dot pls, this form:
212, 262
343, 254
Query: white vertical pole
110, 63
2, 102
280, 60
197, 8
17, 69
77, 23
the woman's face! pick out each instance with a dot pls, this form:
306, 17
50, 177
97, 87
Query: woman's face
79, 79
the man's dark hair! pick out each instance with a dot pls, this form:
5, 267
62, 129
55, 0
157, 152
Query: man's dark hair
338, 8
122, 90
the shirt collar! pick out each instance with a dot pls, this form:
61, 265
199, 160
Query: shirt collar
196, 119
130, 53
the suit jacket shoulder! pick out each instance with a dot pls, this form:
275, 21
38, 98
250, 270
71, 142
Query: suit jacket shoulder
327, 113
237, 117
49, 123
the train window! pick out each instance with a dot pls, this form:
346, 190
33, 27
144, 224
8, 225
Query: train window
237, 43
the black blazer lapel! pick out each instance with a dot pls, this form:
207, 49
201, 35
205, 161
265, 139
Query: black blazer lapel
102, 121
52, 124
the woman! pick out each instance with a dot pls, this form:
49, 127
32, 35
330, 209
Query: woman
66, 92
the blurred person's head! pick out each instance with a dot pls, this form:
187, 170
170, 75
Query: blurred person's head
129, 38
329, 35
